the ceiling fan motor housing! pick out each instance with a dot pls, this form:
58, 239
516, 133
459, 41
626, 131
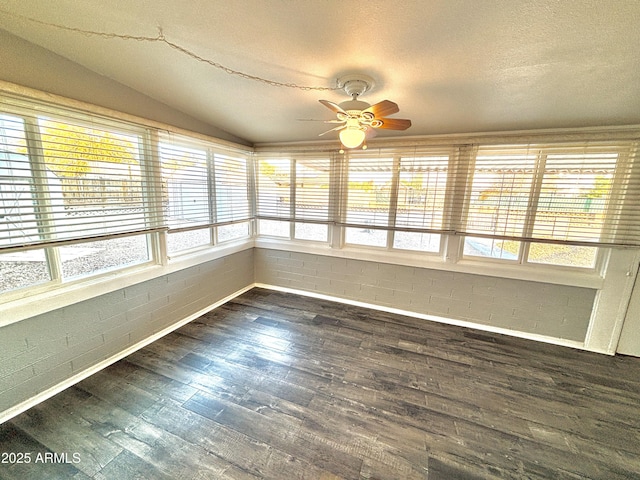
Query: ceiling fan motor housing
354, 106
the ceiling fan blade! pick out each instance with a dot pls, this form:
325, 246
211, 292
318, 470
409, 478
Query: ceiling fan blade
383, 108
332, 106
395, 123
333, 129
369, 133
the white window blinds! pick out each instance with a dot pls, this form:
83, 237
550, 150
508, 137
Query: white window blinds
577, 194
273, 189
399, 190
185, 175
422, 191
18, 199
66, 176
312, 187
295, 187
202, 186
69, 176
369, 187
499, 198
232, 192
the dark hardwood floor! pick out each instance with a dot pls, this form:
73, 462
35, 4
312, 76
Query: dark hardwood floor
274, 385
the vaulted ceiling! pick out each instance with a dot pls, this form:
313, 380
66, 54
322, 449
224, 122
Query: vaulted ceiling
453, 66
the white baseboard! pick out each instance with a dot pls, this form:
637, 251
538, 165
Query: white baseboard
50, 392
434, 318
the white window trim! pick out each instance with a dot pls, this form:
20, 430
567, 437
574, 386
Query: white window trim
28, 302
533, 272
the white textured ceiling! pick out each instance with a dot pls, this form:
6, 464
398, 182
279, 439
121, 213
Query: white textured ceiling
453, 66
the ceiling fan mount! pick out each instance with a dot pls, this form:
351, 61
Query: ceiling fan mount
358, 119
356, 84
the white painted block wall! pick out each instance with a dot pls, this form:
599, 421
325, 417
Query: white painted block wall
561, 312
45, 350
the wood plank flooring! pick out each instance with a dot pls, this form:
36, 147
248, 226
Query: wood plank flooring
279, 386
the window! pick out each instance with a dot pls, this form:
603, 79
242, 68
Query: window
87, 258
81, 194
312, 185
202, 189
232, 197
231, 185
397, 201
564, 255
185, 178
273, 202
547, 204
553, 204
21, 269
18, 221
73, 197
188, 240
369, 190
572, 205
499, 202
95, 181
293, 197
17, 185
421, 203
232, 231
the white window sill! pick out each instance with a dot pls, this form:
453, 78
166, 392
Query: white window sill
31, 301
538, 273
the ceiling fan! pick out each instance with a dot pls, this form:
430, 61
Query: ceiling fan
358, 119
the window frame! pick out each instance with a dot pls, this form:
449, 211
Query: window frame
539, 174
212, 155
292, 219
460, 174
459, 180
46, 221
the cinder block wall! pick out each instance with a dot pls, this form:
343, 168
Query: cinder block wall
48, 349
45, 350
532, 307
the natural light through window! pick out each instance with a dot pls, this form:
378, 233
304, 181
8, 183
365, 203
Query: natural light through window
499, 201
421, 201
368, 200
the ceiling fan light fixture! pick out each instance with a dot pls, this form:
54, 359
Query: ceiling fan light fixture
352, 137
359, 118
